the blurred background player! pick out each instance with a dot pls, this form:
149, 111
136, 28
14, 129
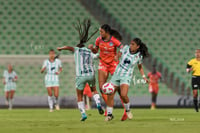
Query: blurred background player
9, 80
154, 77
131, 56
107, 42
194, 66
85, 72
87, 95
53, 67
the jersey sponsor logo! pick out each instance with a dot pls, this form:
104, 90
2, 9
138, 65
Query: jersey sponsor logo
53, 68
127, 61
10, 78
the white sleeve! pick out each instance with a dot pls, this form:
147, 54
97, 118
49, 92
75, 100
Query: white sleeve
44, 64
140, 60
95, 56
4, 74
59, 63
123, 49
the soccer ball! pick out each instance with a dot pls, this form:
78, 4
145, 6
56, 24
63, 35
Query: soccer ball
108, 88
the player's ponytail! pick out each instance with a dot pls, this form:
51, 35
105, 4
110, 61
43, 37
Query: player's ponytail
83, 30
111, 31
143, 48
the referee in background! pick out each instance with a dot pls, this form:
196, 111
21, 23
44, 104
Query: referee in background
194, 66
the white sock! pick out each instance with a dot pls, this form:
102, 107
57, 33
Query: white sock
10, 103
109, 110
97, 99
81, 107
56, 101
50, 101
127, 106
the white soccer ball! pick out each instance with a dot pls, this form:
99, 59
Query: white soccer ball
108, 88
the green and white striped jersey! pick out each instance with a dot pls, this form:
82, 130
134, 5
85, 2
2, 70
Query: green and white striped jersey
128, 62
52, 67
84, 61
9, 77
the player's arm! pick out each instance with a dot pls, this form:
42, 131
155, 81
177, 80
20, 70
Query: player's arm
142, 72
43, 69
94, 49
65, 48
4, 80
188, 68
15, 78
60, 70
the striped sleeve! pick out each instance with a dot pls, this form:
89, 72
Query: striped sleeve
44, 64
140, 59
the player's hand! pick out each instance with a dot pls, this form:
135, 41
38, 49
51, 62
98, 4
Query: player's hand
147, 81
90, 46
57, 73
59, 48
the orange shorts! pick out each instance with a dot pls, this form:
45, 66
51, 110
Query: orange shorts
108, 67
87, 91
153, 88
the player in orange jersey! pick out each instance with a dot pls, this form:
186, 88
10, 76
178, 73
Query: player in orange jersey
154, 77
107, 42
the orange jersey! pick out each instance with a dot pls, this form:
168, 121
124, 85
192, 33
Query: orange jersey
154, 78
108, 50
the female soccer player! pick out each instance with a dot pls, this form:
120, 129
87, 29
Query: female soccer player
85, 72
108, 42
53, 67
154, 76
194, 66
131, 56
9, 80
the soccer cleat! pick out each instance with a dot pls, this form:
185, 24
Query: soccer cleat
124, 117
109, 117
100, 110
129, 115
196, 109
51, 110
153, 107
84, 117
57, 107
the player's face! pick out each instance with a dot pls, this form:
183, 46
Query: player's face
9, 68
103, 33
51, 54
133, 46
197, 53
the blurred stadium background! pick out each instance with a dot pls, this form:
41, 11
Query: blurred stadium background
29, 28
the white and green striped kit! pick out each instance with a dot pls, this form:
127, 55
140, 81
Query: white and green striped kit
51, 79
85, 72
10, 84
125, 68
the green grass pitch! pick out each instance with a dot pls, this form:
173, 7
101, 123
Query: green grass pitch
67, 121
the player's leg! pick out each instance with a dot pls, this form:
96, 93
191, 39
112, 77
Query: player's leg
110, 105
56, 94
111, 69
12, 92
124, 95
102, 76
81, 104
50, 98
7, 97
153, 100
97, 100
195, 99
195, 93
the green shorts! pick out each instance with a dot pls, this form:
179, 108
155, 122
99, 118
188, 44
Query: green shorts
9, 87
119, 80
81, 81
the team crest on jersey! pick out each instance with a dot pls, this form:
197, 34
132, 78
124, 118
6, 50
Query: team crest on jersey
111, 44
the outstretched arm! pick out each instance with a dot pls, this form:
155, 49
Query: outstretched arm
142, 72
65, 48
93, 49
